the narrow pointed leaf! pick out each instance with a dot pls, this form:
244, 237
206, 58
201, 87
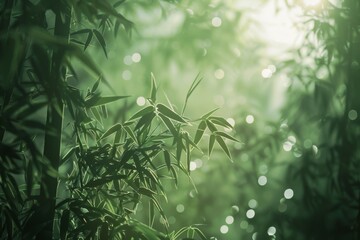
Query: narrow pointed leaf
101, 40
153, 88
142, 112
64, 223
211, 143
220, 121
88, 40
169, 124
223, 146
211, 126
106, 100
200, 131
167, 159
169, 113
225, 135
113, 129
131, 133
209, 114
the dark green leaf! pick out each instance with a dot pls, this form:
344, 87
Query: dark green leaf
153, 90
223, 146
211, 143
200, 131
167, 159
64, 224
169, 124
169, 113
111, 130
225, 135
142, 112
101, 40
220, 121
105, 100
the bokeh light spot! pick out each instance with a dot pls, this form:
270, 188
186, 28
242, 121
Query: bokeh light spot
289, 193
287, 146
249, 119
271, 231
216, 22
192, 166
127, 60
352, 114
140, 101
262, 180
315, 149
266, 73
224, 229
252, 203
136, 57
244, 224
219, 73
180, 208
250, 213
229, 219
126, 75
272, 68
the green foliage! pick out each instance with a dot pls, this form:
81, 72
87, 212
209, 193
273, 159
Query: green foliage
106, 172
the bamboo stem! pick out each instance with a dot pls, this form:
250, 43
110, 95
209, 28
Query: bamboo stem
52, 145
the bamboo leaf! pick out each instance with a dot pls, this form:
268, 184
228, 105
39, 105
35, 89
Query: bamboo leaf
200, 233
205, 116
153, 90
101, 40
88, 40
167, 159
146, 191
200, 131
169, 113
169, 125
111, 130
96, 85
106, 100
220, 121
142, 112
64, 224
129, 131
211, 143
225, 135
223, 146
211, 126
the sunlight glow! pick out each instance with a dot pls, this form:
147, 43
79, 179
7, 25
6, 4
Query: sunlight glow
312, 2
266, 73
140, 101
216, 22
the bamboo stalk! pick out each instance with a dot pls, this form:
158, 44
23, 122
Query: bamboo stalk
52, 145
